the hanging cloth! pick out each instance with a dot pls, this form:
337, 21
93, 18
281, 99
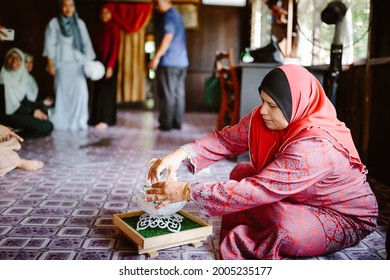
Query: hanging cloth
131, 19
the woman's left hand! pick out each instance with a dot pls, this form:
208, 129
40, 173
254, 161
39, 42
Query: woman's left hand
38, 114
166, 193
109, 73
170, 162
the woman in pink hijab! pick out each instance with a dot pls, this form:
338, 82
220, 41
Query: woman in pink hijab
304, 192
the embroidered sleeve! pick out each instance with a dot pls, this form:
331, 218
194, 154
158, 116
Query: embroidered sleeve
230, 141
299, 167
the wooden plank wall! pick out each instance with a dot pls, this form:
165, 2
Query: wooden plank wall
29, 19
220, 28
365, 97
379, 144
350, 102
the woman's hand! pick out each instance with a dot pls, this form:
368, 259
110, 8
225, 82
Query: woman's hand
6, 134
166, 192
1, 32
171, 162
109, 73
38, 114
48, 101
50, 67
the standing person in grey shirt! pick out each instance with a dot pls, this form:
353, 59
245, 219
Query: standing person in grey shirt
171, 63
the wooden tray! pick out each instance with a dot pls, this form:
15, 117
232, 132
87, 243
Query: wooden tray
151, 245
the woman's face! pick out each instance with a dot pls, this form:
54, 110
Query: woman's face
105, 15
29, 64
68, 8
272, 114
14, 61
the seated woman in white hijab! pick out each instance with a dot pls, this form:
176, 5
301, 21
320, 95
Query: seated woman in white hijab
20, 109
47, 101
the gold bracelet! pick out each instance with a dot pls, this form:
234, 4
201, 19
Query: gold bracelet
186, 192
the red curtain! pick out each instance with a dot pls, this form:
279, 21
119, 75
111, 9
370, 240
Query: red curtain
131, 17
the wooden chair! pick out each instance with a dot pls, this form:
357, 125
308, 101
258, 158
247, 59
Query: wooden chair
229, 111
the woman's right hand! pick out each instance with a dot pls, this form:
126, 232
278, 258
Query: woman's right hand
48, 102
6, 134
1, 32
50, 67
170, 162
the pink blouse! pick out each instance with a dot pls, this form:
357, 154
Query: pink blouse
311, 172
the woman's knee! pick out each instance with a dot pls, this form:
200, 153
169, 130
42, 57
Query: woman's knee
44, 128
48, 128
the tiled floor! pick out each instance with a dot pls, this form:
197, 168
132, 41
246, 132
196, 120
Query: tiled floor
64, 211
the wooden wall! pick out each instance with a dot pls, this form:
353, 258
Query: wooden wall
219, 28
377, 99
365, 100
350, 102
378, 153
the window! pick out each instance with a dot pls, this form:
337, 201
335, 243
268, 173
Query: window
312, 38
238, 3
261, 20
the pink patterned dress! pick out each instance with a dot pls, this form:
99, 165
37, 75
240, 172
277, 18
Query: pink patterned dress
310, 200
9, 158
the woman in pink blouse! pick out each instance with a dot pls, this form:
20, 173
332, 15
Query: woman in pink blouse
304, 193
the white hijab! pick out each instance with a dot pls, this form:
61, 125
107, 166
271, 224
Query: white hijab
17, 84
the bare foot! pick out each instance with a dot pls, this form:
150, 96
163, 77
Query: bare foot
30, 165
101, 125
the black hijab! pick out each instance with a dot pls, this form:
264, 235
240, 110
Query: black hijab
276, 85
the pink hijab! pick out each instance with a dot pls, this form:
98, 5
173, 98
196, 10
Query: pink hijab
312, 115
